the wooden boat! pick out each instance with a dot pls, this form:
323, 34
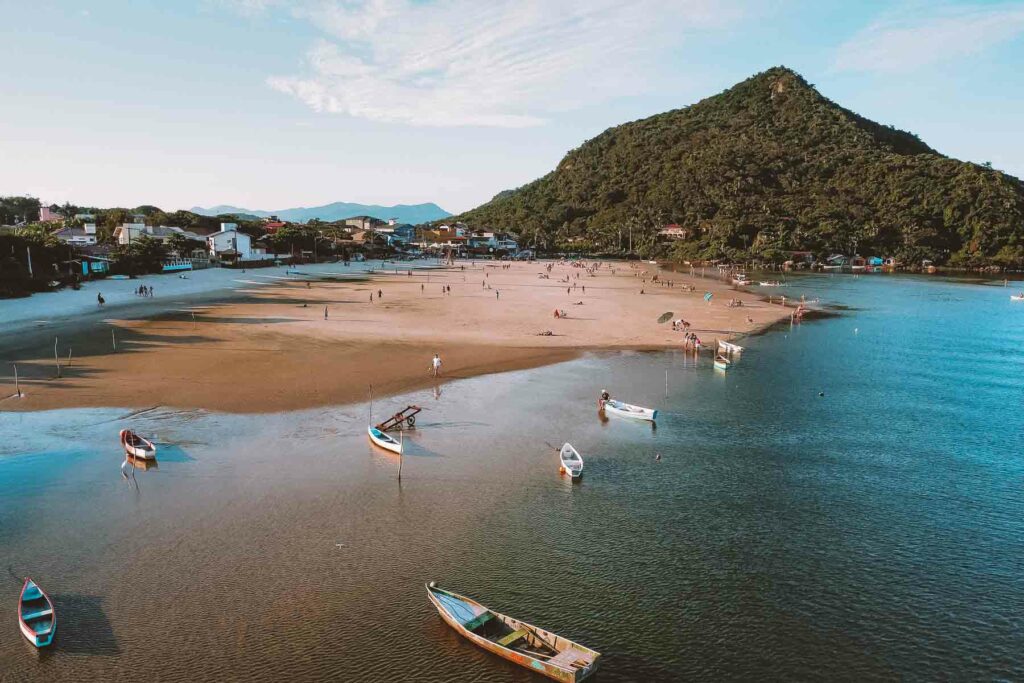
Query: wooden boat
722, 363
729, 347
36, 617
628, 410
571, 461
384, 440
534, 648
136, 446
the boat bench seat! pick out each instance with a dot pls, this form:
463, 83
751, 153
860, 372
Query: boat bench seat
45, 612
511, 638
477, 622
571, 658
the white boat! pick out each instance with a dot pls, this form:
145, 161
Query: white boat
729, 347
770, 283
1017, 297
571, 461
628, 410
721, 362
384, 440
136, 446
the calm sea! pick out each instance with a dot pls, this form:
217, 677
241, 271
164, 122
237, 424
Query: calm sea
872, 532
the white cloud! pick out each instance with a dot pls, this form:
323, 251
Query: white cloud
907, 43
506, 63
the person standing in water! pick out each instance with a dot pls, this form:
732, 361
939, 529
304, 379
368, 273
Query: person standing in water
436, 365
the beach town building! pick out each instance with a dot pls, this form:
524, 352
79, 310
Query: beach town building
363, 222
230, 244
48, 215
672, 232
126, 233
77, 236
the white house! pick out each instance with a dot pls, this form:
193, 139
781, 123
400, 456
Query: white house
232, 245
77, 236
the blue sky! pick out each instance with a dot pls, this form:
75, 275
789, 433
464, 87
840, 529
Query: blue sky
270, 104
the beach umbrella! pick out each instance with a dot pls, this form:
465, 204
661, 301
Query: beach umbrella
665, 317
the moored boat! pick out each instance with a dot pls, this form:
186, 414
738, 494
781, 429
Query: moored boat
571, 462
623, 409
1017, 297
136, 446
36, 616
384, 440
770, 283
534, 648
729, 347
721, 362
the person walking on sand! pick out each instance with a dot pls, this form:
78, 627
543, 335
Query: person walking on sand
436, 365
371, 297
99, 299
497, 294
325, 312
421, 288
380, 294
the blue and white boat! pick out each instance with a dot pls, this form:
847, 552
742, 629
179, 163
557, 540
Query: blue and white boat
35, 615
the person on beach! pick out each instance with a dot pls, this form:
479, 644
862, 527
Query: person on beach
380, 294
421, 288
497, 294
436, 365
99, 299
371, 297
325, 312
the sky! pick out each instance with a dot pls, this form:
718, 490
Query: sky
271, 104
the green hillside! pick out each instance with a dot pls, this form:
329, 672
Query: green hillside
764, 168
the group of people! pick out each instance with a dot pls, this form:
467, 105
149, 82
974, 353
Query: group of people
145, 291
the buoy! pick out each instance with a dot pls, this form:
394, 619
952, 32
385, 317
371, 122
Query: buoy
821, 393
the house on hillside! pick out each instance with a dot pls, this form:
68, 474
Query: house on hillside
48, 215
77, 236
363, 222
673, 232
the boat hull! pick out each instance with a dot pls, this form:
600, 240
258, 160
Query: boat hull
524, 660
643, 414
381, 440
42, 615
140, 449
568, 465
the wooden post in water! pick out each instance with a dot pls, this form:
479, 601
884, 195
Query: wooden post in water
69, 356
401, 450
113, 340
193, 320
56, 359
17, 384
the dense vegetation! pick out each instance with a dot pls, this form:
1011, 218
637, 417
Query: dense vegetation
760, 170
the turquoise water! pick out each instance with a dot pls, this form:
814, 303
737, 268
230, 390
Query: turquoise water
874, 532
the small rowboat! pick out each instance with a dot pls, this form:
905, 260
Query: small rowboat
628, 410
1017, 297
384, 440
728, 347
136, 446
722, 363
35, 615
571, 461
536, 649
770, 283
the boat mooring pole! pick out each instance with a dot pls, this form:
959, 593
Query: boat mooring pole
113, 340
69, 356
666, 384
56, 359
401, 449
17, 385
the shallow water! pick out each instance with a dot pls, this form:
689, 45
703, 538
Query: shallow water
874, 532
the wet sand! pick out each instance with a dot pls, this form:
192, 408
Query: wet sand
271, 348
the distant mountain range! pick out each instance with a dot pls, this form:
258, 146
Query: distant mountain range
403, 213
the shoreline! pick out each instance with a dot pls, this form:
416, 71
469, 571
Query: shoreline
270, 348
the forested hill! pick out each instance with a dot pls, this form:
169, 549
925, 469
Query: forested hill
764, 168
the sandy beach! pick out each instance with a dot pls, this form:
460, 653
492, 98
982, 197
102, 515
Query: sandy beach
272, 348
